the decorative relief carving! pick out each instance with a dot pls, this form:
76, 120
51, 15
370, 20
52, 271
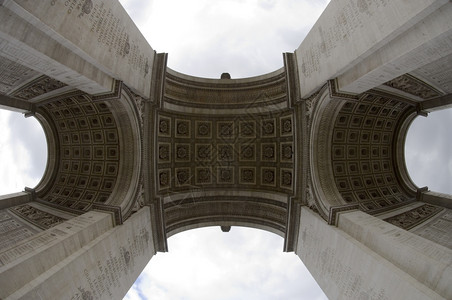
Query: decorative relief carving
164, 152
37, 87
140, 105
203, 176
247, 152
89, 152
182, 152
183, 176
225, 175
414, 217
309, 107
164, 126
247, 175
414, 86
268, 128
12, 230
286, 126
286, 178
247, 129
203, 129
139, 203
13, 75
226, 129
268, 176
164, 178
286, 151
361, 152
182, 128
238, 150
203, 152
36, 216
310, 197
225, 152
268, 152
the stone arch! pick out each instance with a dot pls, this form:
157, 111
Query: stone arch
127, 111
405, 172
254, 212
399, 149
323, 193
94, 153
357, 160
52, 153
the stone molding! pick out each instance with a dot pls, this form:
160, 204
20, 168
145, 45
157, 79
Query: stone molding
414, 86
191, 212
264, 90
414, 217
37, 87
35, 216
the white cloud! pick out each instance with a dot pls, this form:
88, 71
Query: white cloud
428, 151
23, 152
206, 38
245, 38
242, 264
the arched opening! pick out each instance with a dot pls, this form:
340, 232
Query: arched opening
23, 152
243, 38
428, 153
244, 263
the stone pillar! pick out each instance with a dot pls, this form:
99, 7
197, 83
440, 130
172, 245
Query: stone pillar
367, 258
77, 43
30, 262
366, 43
91, 260
11, 200
422, 259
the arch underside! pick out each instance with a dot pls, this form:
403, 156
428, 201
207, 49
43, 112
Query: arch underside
189, 213
225, 152
94, 153
357, 156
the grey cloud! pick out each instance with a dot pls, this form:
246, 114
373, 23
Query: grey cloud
429, 151
241, 264
136, 9
32, 138
267, 4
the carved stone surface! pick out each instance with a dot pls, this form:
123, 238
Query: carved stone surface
191, 211
268, 151
437, 228
198, 93
362, 154
89, 151
36, 216
164, 152
164, 126
139, 103
250, 150
414, 217
13, 229
37, 87
412, 85
13, 75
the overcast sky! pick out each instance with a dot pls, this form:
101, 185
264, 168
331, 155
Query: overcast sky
206, 38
